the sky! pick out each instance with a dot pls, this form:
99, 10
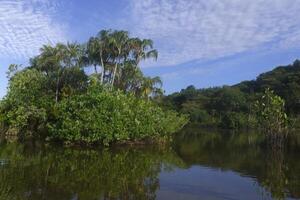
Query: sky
202, 43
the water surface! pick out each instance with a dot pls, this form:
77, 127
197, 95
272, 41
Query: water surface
199, 164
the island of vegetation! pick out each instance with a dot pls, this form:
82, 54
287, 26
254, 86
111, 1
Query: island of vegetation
92, 93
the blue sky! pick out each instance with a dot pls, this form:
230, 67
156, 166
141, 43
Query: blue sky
200, 42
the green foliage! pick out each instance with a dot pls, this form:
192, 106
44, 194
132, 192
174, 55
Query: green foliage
54, 98
25, 106
225, 107
271, 112
234, 120
285, 82
111, 116
26, 86
115, 58
233, 106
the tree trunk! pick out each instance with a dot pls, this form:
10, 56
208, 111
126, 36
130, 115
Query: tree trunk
115, 70
114, 75
57, 90
103, 69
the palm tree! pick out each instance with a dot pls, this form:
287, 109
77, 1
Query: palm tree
151, 87
97, 52
118, 41
49, 61
73, 55
114, 51
55, 60
92, 52
102, 40
143, 49
130, 77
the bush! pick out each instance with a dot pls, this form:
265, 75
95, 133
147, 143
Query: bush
24, 109
271, 114
108, 117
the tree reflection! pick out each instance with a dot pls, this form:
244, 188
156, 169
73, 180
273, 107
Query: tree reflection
276, 180
55, 173
47, 172
276, 169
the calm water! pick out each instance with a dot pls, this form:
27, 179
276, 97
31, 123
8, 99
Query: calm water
198, 165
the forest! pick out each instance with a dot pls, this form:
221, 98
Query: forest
88, 93
234, 106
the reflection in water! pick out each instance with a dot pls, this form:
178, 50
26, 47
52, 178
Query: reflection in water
54, 173
276, 170
47, 172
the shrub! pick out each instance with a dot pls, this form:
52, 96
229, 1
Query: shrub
111, 116
271, 112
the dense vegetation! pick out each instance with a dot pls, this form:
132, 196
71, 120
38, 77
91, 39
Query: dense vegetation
57, 96
234, 106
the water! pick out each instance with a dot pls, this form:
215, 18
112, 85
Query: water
199, 164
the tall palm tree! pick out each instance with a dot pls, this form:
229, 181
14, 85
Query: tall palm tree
143, 49
102, 40
49, 61
92, 52
118, 41
73, 55
97, 52
130, 77
55, 60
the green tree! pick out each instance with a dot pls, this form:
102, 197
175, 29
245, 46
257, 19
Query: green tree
142, 50
58, 63
24, 108
97, 51
271, 115
118, 41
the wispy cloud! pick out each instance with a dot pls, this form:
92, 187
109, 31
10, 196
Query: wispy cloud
186, 30
199, 71
26, 25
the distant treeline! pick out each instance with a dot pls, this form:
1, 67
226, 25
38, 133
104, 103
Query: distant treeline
234, 106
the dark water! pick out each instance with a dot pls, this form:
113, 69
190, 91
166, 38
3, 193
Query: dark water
198, 165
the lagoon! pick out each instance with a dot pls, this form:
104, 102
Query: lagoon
197, 164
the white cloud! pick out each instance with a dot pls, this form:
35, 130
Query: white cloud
204, 70
186, 30
25, 25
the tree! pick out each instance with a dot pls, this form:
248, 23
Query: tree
120, 55
57, 62
151, 86
143, 49
24, 108
92, 53
272, 117
12, 70
118, 40
98, 51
